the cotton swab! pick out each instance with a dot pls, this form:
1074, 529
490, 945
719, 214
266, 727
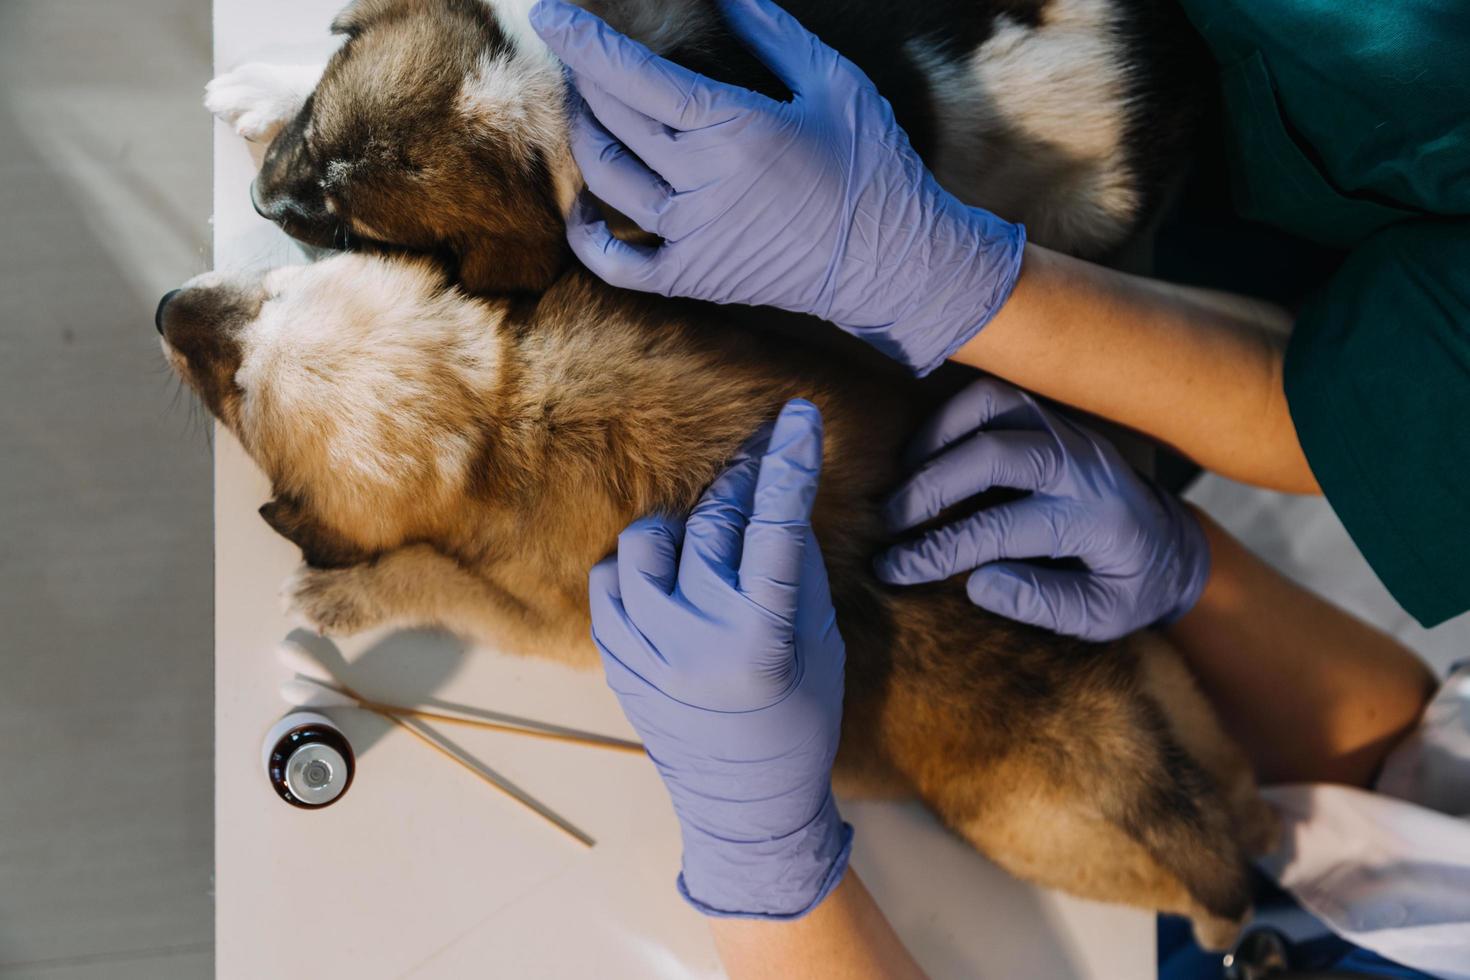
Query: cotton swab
311, 692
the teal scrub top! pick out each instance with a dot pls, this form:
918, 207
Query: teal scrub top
1347, 123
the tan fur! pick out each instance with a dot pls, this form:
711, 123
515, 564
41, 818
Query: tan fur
1194, 723
442, 459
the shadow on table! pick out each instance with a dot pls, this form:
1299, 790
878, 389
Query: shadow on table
406, 667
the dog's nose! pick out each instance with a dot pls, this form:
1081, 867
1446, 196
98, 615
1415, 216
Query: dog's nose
158, 316
255, 201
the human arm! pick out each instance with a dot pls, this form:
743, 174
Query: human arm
1312, 693
1197, 370
718, 635
846, 936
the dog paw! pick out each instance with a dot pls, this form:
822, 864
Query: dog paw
1217, 934
258, 98
333, 601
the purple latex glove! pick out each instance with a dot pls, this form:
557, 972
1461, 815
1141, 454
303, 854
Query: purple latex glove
817, 205
719, 638
1145, 556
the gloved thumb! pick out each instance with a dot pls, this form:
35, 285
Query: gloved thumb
648, 561
612, 260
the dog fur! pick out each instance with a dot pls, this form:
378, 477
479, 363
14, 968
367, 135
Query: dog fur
463, 461
439, 125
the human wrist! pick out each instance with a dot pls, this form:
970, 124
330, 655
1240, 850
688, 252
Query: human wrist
985, 266
764, 877
971, 261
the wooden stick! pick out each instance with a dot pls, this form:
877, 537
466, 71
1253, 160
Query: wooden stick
594, 741
430, 738
506, 724
442, 745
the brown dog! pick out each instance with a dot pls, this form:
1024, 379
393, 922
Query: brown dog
439, 125
464, 461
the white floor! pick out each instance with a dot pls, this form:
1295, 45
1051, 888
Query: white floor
105, 537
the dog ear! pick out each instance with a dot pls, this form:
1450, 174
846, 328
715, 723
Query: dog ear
320, 546
358, 14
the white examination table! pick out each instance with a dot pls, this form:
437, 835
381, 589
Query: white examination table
424, 871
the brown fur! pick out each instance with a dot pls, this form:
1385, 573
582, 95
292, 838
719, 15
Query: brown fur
421, 175
1093, 768
388, 148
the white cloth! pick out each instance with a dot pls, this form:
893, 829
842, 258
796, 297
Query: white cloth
1390, 871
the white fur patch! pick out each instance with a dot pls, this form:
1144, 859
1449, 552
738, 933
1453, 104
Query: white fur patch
1031, 124
525, 94
258, 98
514, 18
356, 368
1063, 82
522, 96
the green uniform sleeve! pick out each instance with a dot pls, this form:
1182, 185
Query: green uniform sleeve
1378, 381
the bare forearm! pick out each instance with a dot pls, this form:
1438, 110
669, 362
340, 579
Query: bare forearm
1199, 371
1312, 693
846, 936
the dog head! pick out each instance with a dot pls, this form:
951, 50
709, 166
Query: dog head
358, 384
438, 125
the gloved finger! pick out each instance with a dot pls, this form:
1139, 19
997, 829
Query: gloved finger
614, 174
626, 653
648, 560
815, 615
987, 402
715, 532
814, 581
781, 513
620, 263
654, 86
650, 139
1035, 527
1019, 460
792, 53
1071, 602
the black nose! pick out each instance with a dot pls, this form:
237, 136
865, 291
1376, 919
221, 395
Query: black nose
158, 316
255, 201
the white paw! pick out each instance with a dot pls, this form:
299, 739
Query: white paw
1216, 934
258, 98
333, 601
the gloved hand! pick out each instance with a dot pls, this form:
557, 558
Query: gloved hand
817, 205
1146, 558
718, 636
